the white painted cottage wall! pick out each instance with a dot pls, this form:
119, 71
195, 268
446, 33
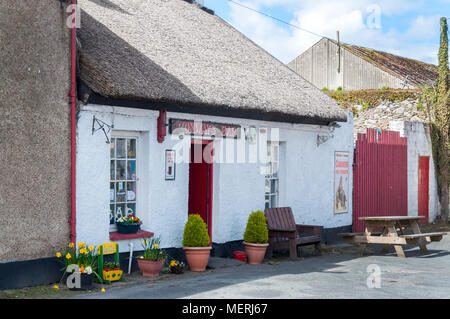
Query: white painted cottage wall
419, 144
306, 178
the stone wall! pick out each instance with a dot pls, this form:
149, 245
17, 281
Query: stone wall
380, 115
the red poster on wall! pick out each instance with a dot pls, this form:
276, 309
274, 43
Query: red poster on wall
341, 168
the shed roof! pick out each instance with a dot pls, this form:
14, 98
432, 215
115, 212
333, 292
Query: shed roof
171, 51
414, 71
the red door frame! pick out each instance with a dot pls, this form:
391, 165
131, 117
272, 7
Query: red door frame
423, 198
209, 185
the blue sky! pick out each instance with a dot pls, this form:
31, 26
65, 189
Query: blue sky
404, 27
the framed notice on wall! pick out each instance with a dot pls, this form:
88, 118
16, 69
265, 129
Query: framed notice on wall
341, 182
170, 165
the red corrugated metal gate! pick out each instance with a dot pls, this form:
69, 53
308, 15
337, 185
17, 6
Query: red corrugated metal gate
379, 176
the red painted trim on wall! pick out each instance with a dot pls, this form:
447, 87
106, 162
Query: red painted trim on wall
73, 124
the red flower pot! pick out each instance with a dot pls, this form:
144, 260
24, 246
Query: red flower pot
150, 268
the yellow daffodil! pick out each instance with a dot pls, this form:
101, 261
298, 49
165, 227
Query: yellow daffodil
56, 287
91, 248
156, 245
71, 245
68, 256
103, 290
58, 254
81, 245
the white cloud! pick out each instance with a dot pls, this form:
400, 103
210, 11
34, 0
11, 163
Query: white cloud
350, 17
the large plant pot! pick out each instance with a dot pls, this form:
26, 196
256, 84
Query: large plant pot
255, 252
197, 257
150, 268
128, 228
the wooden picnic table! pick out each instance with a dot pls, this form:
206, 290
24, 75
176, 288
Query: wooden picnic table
390, 230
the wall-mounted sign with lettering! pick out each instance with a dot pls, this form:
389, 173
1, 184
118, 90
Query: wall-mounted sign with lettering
206, 129
170, 165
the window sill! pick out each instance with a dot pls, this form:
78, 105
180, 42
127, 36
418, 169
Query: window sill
140, 234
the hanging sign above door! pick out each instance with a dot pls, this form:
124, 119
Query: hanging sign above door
205, 129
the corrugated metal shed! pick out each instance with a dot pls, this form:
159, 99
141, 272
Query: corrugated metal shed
329, 65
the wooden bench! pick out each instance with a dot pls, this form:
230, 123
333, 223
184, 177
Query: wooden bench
285, 234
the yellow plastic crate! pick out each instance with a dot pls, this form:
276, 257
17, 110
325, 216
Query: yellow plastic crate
112, 275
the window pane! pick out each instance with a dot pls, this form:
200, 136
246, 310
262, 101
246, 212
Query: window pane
273, 201
112, 192
131, 147
131, 191
131, 209
120, 170
267, 187
120, 148
120, 192
273, 186
112, 171
111, 145
120, 211
111, 214
131, 170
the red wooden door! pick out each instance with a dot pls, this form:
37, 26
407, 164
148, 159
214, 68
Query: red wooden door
379, 176
423, 200
200, 182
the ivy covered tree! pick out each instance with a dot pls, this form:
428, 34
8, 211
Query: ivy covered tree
441, 115
437, 100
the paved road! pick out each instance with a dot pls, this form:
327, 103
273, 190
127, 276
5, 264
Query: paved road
327, 276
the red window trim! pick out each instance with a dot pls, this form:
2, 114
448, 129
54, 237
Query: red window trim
140, 234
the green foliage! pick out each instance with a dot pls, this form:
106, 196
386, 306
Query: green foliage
325, 90
437, 100
365, 106
372, 98
383, 88
151, 250
339, 88
256, 230
195, 232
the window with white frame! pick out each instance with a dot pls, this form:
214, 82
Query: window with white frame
272, 180
123, 177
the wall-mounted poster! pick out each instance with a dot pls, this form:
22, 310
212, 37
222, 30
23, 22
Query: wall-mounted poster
170, 165
341, 176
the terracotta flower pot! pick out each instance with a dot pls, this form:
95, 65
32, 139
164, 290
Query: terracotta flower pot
255, 252
150, 268
197, 257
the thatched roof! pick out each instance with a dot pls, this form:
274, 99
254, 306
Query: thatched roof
414, 71
171, 51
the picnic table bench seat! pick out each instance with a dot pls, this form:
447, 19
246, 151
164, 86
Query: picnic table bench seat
284, 233
358, 234
435, 236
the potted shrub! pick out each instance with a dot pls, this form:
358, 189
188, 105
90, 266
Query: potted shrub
196, 243
128, 224
256, 237
153, 259
80, 262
